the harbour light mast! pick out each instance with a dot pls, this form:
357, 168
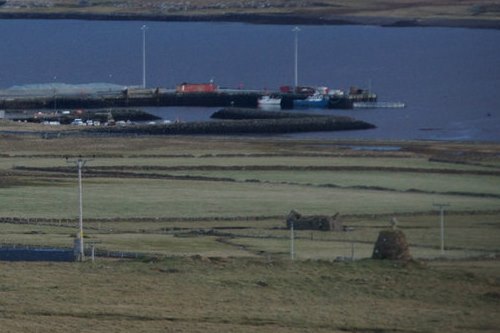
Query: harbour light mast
296, 31
144, 28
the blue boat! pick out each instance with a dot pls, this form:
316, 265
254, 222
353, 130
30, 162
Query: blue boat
316, 101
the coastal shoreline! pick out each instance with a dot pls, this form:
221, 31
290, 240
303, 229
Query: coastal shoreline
263, 18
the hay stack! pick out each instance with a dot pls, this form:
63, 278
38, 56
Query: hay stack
392, 245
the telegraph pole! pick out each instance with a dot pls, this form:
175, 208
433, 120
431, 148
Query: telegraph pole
80, 163
441, 209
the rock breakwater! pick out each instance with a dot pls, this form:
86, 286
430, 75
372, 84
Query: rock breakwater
244, 121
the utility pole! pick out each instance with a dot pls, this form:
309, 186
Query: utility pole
144, 28
292, 239
441, 209
296, 31
80, 163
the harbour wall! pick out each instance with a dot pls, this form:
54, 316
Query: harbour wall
153, 98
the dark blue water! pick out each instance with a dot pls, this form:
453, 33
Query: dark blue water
449, 78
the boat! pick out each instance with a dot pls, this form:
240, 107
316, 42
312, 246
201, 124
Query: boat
318, 101
269, 102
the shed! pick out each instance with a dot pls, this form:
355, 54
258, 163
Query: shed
314, 222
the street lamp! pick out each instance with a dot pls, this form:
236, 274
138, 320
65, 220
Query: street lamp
55, 100
296, 31
55, 92
144, 28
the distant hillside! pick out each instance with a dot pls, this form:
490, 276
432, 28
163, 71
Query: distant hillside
459, 13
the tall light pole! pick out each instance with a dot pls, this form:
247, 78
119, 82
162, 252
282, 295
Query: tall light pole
441, 209
144, 28
55, 92
55, 100
80, 163
296, 31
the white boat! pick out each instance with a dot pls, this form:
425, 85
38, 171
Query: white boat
269, 103
269, 100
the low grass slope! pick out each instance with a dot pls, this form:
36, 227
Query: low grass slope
248, 295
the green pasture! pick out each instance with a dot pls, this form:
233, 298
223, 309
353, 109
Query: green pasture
178, 225
104, 198
429, 182
144, 211
343, 250
167, 245
32, 159
465, 236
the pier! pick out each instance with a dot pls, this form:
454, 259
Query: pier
158, 97
376, 105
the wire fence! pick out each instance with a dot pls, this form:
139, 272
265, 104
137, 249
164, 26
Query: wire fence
461, 236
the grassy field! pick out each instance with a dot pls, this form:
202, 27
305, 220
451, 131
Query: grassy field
140, 193
249, 295
207, 215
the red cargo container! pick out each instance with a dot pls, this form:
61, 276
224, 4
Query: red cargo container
196, 87
286, 89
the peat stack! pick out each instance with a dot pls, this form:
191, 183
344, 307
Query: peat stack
392, 245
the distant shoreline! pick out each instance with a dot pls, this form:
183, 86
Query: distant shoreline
278, 19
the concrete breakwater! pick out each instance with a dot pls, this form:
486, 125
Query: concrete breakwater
243, 121
132, 99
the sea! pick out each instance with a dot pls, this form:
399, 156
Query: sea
448, 78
